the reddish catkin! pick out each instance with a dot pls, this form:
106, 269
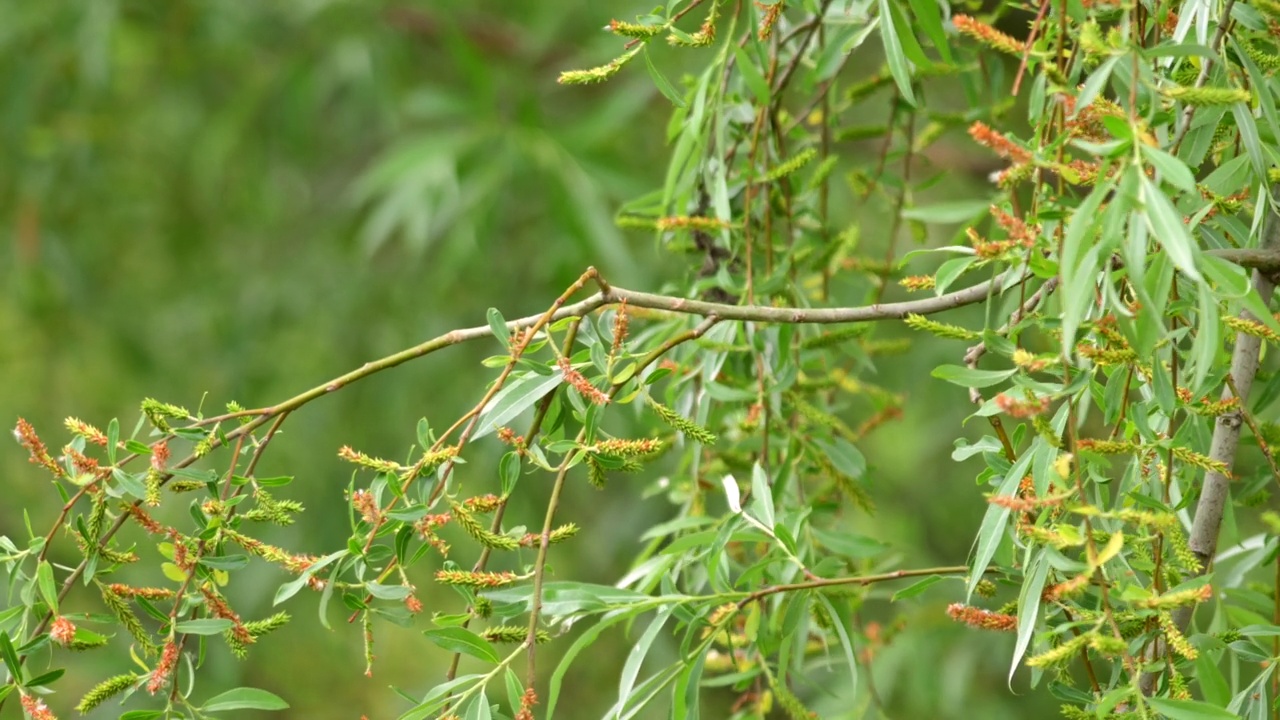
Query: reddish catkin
620, 321
63, 631
86, 431
36, 708
580, 383
149, 593
527, 701
160, 456
1021, 409
27, 437
163, 673
141, 517
988, 35
998, 143
365, 504
982, 619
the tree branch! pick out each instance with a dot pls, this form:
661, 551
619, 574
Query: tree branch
1207, 523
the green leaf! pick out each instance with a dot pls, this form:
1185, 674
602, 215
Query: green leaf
48, 587
635, 658
292, 587
387, 592
113, 439
478, 708
10, 656
515, 688
424, 434
993, 523
565, 597
930, 21
971, 378
1094, 85
460, 640
1077, 266
948, 271
438, 697
583, 641
519, 395
1172, 170
948, 212
893, 53
498, 326
761, 496
1029, 606
1233, 283
848, 544
840, 622
752, 76
660, 81
1212, 683
847, 459
50, 677
1204, 350
916, 588
204, 626
1167, 225
1249, 137
1189, 709
245, 698
225, 562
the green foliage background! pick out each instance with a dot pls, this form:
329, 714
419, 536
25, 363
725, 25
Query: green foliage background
245, 199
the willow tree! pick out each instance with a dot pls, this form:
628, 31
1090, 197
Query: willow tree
1121, 252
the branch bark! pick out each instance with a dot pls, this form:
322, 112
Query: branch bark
1207, 522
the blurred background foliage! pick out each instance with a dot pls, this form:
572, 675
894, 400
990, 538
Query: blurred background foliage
209, 201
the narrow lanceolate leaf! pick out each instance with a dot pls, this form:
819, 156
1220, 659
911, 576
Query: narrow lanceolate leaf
897, 60
245, 698
631, 670
994, 523
518, 395
1029, 606
1167, 225
1078, 264
461, 640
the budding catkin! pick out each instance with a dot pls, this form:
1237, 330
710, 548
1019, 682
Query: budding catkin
683, 424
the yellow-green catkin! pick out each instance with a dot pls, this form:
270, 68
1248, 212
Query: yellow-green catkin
804, 157
634, 30
705, 35
790, 704
159, 413
512, 634
943, 330
104, 691
97, 516
690, 428
1205, 96
119, 607
1174, 637
1251, 327
835, 337
601, 73
482, 535
1061, 654
256, 629
595, 472
823, 171
1269, 62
